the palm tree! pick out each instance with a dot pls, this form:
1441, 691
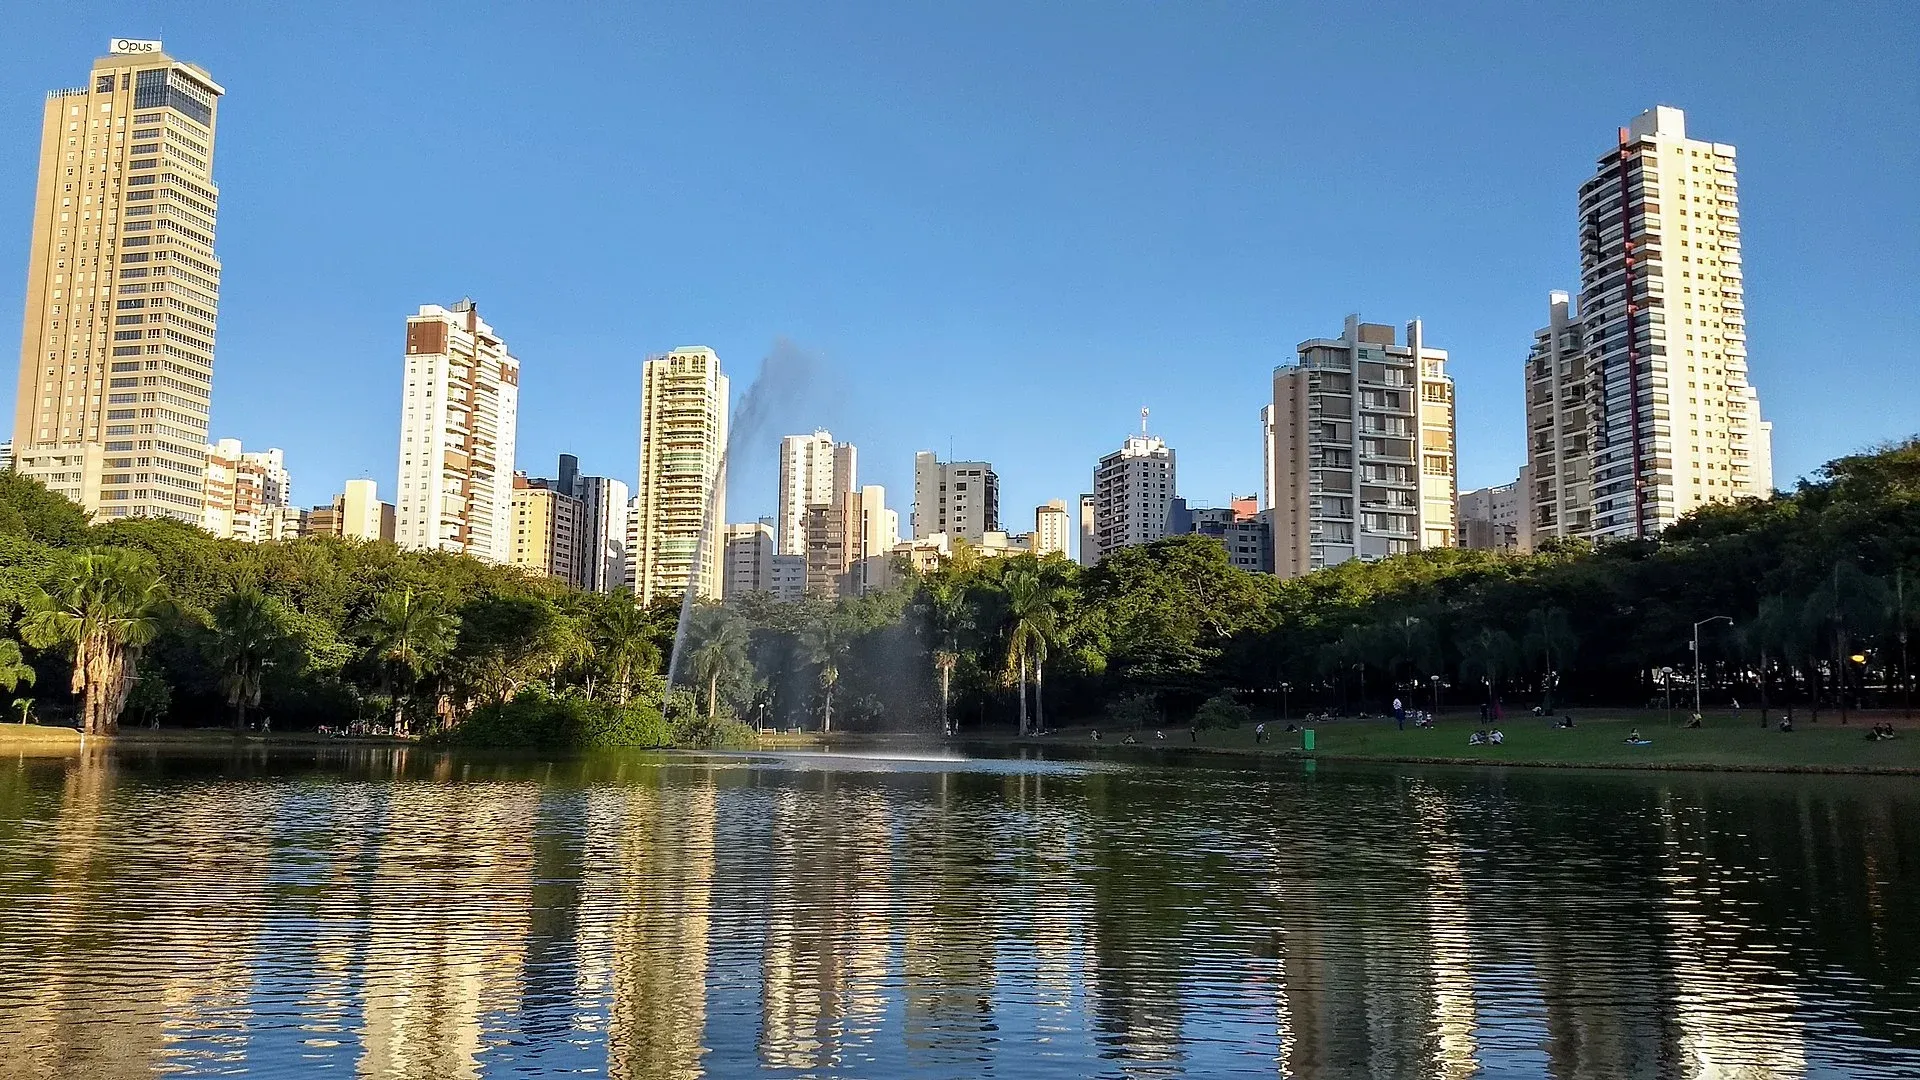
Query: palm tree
250, 638
14, 668
826, 641
721, 648
1032, 619
411, 635
1550, 640
624, 641
25, 705
947, 611
106, 611
1489, 656
944, 661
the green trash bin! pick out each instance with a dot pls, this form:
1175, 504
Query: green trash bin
1306, 739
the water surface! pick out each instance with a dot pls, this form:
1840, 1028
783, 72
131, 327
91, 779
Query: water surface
393, 913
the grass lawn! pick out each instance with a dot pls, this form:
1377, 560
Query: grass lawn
1599, 740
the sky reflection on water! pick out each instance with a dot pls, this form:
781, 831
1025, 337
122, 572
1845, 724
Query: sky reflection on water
399, 914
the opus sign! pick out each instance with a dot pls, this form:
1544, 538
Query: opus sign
122, 45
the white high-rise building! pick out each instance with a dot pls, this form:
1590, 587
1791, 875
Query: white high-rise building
1133, 490
958, 498
680, 506
248, 493
1089, 546
603, 532
1363, 461
460, 403
749, 560
123, 289
1052, 528
629, 552
1490, 518
1674, 422
814, 471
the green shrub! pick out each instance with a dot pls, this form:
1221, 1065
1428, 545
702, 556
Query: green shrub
1221, 711
1134, 711
635, 725
535, 721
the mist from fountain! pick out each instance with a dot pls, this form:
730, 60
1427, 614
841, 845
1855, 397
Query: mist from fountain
788, 375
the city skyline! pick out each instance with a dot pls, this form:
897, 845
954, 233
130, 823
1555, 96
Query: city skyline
1040, 441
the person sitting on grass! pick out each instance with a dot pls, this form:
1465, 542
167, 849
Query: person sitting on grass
1880, 732
1478, 738
1693, 721
1130, 741
1786, 722
1633, 736
1496, 738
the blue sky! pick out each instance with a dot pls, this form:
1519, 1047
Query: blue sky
1000, 228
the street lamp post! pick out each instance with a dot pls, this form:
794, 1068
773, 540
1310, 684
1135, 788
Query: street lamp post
1696, 656
1284, 715
1666, 689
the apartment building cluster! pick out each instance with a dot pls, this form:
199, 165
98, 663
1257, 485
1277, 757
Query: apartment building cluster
1639, 406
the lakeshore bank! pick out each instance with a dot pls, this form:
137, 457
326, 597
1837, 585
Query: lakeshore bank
1725, 743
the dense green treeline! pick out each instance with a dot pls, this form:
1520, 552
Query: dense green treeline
156, 622
159, 621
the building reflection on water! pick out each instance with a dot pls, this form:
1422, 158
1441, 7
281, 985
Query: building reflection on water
405, 915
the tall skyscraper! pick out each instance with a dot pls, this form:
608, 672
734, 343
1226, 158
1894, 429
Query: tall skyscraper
1052, 528
958, 498
457, 425
1675, 422
680, 507
1133, 490
248, 493
123, 289
814, 471
1363, 449
545, 530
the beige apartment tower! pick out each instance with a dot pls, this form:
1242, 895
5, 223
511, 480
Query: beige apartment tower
1052, 528
1362, 463
461, 398
1674, 422
547, 531
123, 289
680, 505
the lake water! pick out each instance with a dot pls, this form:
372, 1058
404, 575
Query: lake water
396, 913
